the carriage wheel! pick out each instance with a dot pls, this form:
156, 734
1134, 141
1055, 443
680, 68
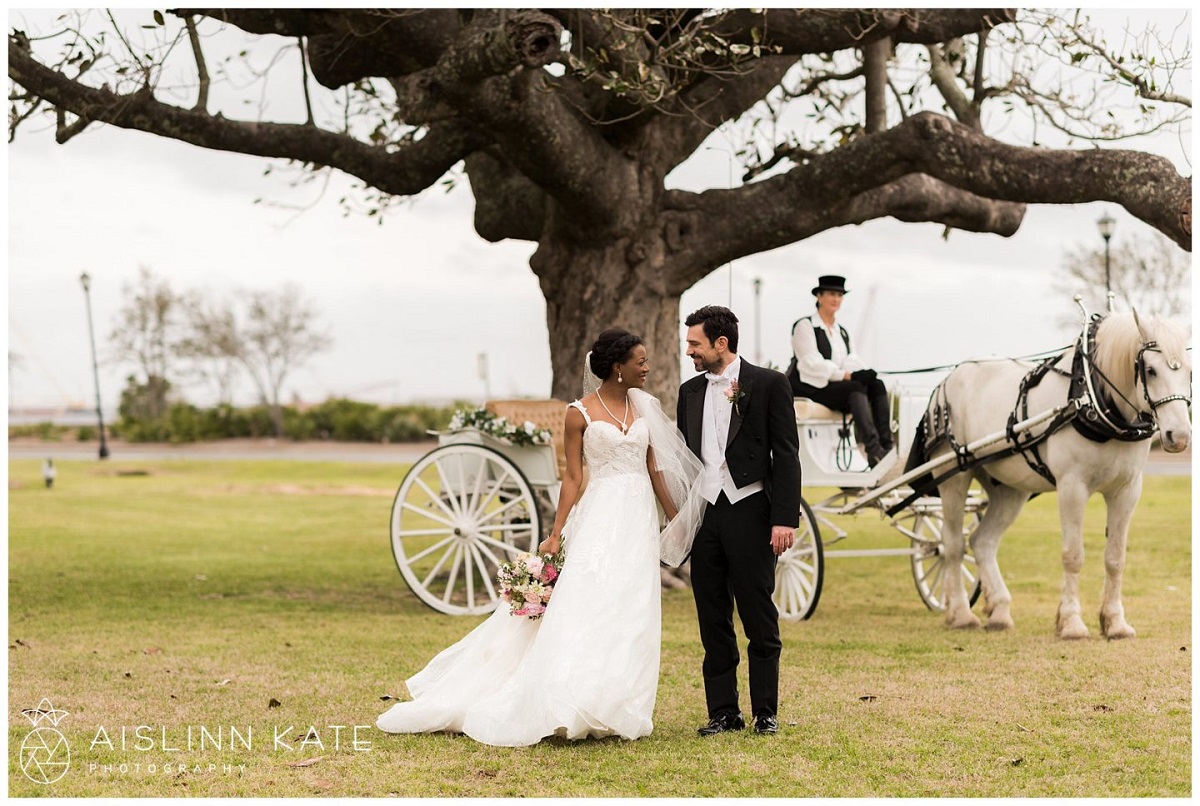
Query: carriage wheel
460, 512
928, 564
800, 571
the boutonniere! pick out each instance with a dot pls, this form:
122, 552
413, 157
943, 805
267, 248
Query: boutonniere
734, 395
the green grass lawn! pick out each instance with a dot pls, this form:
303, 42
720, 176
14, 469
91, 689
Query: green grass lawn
196, 594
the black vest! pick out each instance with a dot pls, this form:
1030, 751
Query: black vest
823, 345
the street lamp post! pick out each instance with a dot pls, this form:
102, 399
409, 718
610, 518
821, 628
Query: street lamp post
86, 281
1107, 224
758, 321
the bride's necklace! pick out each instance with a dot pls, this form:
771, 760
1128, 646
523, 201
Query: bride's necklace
624, 428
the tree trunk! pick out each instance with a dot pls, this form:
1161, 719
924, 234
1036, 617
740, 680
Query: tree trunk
592, 286
276, 419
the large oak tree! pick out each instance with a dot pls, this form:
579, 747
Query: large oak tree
568, 122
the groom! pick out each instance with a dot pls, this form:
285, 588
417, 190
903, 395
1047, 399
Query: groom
739, 419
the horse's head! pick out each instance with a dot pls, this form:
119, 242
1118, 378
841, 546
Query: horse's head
1163, 371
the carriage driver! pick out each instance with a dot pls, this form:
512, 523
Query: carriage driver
825, 370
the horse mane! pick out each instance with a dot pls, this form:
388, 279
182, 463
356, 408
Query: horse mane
1118, 341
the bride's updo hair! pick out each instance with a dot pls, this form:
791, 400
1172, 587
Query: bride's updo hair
613, 346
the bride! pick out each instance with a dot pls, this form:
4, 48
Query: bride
589, 666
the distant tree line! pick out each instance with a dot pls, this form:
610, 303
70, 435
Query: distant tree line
191, 339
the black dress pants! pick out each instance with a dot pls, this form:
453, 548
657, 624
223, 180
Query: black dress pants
868, 402
732, 561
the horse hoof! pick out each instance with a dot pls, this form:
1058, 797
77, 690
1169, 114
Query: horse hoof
998, 625
1073, 632
1120, 633
968, 621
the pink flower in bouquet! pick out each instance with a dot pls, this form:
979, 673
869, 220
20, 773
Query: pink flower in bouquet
549, 574
534, 564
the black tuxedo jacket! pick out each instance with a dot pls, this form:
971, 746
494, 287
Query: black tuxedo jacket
763, 444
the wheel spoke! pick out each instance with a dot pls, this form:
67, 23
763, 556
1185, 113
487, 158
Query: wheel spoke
497, 512
451, 495
497, 485
469, 576
434, 498
458, 556
437, 568
426, 514
421, 554
787, 603
506, 527
935, 580
483, 572
473, 499
803, 583
799, 592
480, 546
505, 547
403, 533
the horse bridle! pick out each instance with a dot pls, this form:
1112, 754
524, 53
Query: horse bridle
1140, 368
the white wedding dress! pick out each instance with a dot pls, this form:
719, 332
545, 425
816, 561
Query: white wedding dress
589, 666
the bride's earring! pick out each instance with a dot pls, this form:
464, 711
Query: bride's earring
620, 378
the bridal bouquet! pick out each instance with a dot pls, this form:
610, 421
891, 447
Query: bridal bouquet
526, 583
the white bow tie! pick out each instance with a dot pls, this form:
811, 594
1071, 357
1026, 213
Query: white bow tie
721, 379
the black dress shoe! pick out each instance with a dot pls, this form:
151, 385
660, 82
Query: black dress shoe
722, 723
766, 723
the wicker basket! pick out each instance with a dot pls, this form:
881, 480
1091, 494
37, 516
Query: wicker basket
551, 414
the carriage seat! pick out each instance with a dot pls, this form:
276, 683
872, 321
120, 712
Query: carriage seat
551, 414
811, 410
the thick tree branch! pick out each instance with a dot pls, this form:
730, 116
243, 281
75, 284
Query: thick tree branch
345, 45
811, 30
719, 230
492, 45
915, 198
404, 172
507, 205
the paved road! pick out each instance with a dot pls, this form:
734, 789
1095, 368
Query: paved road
1159, 464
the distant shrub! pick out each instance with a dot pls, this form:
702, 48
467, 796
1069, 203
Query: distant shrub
45, 431
338, 419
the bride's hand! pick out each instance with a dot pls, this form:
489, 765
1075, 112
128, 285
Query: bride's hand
551, 545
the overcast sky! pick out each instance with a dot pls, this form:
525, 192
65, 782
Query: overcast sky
411, 304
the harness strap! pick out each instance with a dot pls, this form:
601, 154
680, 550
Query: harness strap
1028, 449
978, 461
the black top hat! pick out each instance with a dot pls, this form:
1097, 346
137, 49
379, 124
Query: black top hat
830, 282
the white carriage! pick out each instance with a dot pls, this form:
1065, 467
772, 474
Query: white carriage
476, 501
830, 459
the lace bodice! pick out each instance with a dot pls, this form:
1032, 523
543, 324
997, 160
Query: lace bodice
610, 453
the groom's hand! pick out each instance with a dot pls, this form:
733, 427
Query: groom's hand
782, 538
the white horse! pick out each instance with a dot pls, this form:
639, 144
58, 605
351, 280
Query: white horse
1144, 376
